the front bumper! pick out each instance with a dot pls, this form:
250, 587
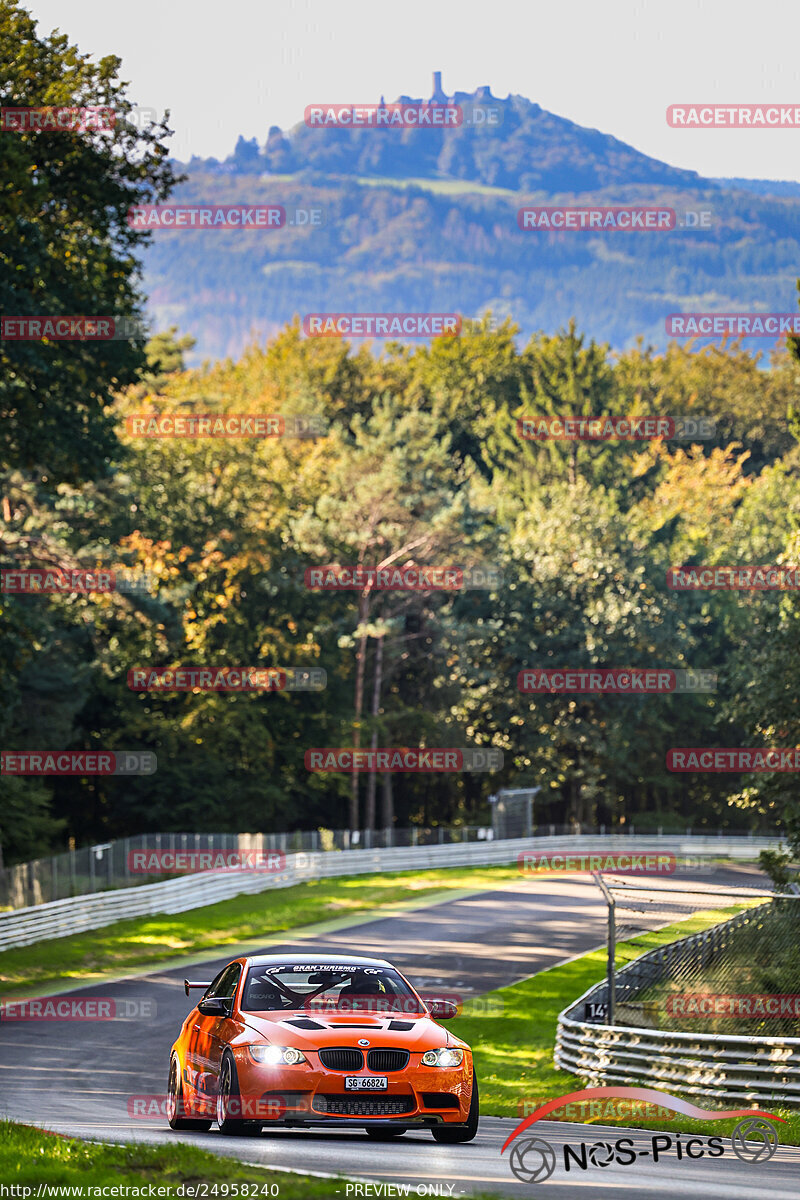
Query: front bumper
308, 1094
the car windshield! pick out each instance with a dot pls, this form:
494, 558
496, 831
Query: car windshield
327, 987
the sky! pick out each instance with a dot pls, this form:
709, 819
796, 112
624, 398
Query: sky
238, 68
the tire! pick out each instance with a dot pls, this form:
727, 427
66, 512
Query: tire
176, 1111
461, 1133
229, 1098
384, 1135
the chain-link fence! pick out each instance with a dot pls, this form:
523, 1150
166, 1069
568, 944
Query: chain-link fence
108, 865
113, 865
740, 976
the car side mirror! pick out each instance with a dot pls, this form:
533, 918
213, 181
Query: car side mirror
442, 1010
212, 1006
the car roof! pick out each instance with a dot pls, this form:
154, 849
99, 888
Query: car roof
300, 956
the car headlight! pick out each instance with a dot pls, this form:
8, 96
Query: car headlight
444, 1057
277, 1056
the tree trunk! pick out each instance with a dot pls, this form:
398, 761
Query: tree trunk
369, 819
579, 805
363, 613
387, 802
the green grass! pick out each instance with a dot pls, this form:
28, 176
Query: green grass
146, 941
514, 1052
445, 187
31, 1156
442, 187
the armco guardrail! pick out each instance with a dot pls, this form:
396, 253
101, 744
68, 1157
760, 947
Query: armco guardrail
765, 1070
107, 865
80, 913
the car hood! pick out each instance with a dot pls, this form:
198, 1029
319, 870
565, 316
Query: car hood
295, 1029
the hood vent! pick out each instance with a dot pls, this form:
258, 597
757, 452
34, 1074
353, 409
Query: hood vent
344, 1025
401, 1025
304, 1023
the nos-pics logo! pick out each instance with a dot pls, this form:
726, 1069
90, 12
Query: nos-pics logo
534, 1160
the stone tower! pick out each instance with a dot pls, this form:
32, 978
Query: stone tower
438, 96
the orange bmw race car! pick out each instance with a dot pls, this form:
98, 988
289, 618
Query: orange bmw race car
291, 1040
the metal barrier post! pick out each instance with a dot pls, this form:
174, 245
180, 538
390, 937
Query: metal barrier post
612, 948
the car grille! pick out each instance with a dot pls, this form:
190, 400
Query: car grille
387, 1060
439, 1100
364, 1106
342, 1060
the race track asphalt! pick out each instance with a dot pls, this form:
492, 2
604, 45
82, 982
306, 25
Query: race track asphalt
79, 1077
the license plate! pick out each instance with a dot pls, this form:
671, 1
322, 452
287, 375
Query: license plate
366, 1083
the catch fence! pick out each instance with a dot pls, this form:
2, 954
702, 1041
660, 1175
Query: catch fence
716, 1013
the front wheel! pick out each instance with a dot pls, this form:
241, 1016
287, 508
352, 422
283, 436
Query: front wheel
229, 1101
176, 1111
461, 1133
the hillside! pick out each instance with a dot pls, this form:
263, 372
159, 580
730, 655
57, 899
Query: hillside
425, 220
525, 148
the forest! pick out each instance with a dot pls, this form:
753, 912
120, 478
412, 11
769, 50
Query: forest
568, 545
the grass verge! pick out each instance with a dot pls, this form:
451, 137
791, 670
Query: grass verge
514, 1052
30, 1157
138, 943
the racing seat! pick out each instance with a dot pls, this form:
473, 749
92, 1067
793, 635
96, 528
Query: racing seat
358, 987
362, 986
262, 997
